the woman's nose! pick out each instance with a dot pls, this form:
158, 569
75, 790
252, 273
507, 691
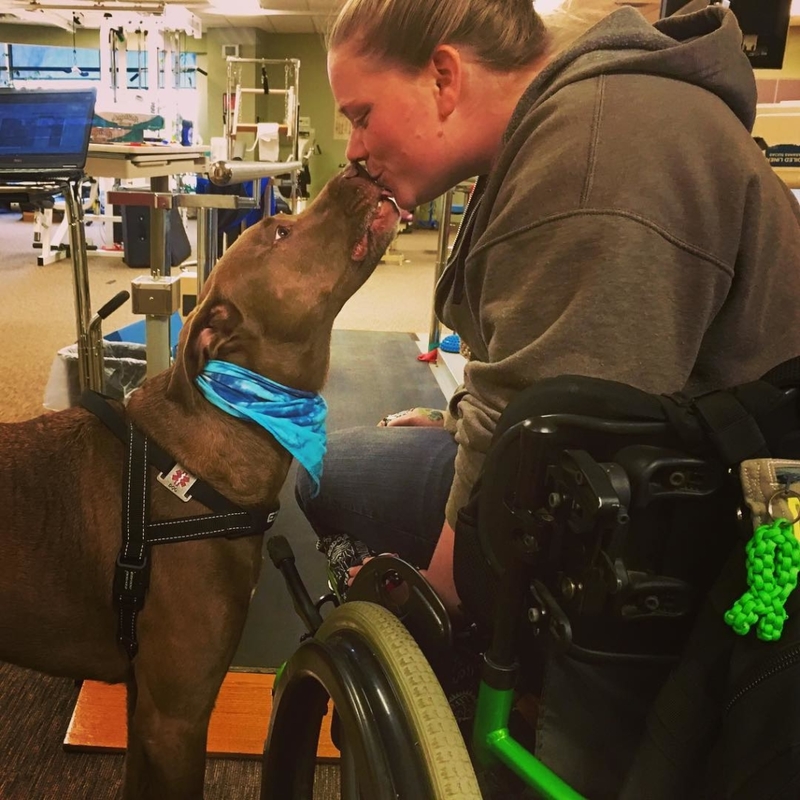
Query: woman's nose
356, 170
355, 147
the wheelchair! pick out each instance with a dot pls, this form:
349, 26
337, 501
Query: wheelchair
603, 520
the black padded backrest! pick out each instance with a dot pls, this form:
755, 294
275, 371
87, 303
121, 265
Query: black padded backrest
703, 426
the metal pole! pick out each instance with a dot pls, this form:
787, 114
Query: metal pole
237, 60
441, 261
206, 245
296, 135
90, 357
157, 328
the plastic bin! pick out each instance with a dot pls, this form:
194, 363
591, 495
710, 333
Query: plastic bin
124, 369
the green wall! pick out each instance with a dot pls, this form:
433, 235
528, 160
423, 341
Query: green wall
43, 34
316, 99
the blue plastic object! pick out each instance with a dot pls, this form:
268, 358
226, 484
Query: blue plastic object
451, 344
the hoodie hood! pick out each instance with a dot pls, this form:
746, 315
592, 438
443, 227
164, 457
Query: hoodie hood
704, 49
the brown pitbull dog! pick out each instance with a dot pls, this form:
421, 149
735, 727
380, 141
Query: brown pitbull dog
269, 307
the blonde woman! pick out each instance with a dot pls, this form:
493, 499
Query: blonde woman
625, 226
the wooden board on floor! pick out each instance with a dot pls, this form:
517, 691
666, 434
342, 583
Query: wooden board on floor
238, 726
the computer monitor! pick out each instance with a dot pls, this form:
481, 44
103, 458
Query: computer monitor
764, 23
45, 128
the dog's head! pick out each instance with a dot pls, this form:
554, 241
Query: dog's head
270, 301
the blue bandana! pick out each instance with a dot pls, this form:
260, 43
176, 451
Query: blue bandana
294, 417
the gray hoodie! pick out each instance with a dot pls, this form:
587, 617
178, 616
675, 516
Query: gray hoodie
631, 229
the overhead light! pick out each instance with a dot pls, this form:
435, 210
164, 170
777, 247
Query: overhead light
545, 7
90, 5
250, 8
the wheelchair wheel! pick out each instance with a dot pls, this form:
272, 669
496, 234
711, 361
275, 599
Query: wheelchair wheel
393, 724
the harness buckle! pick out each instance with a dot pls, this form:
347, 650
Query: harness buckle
131, 579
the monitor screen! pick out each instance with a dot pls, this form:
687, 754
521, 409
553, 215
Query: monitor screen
45, 126
764, 23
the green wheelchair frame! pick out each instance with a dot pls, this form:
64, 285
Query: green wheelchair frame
544, 489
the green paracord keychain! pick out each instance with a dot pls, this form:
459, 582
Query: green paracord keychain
773, 562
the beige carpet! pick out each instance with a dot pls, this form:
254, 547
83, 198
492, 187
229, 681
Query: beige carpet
37, 317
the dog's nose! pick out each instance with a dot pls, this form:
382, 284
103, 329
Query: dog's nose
356, 169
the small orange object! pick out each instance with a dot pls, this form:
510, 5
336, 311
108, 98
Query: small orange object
238, 726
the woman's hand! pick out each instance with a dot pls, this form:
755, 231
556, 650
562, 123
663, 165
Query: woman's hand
439, 572
414, 417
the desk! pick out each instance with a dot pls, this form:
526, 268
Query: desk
127, 161
120, 162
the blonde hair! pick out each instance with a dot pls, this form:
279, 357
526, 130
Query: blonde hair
505, 35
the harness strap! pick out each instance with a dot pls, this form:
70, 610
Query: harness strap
132, 570
260, 521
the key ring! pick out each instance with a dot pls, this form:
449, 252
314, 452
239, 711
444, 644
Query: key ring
785, 493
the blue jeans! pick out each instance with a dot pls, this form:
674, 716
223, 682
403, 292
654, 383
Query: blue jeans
386, 487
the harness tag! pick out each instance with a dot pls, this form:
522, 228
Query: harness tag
178, 481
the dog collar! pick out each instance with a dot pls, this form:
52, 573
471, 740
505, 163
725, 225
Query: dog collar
294, 417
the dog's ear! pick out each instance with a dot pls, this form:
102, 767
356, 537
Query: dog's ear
204, 336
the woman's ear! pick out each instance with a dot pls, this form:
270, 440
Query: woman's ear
447, 67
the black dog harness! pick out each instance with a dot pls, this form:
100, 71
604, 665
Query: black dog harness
132, 571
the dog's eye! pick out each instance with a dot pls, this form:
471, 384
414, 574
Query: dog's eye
281, 232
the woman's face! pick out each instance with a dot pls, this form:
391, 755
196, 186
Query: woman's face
397, 125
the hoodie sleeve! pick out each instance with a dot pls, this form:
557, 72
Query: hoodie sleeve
604, 294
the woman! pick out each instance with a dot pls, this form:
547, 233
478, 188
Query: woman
624, 226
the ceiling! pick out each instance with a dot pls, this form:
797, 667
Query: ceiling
274, 16
277, 16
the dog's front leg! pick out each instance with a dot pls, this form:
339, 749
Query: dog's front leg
167, 733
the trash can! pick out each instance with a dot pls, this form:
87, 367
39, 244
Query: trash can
124, 369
